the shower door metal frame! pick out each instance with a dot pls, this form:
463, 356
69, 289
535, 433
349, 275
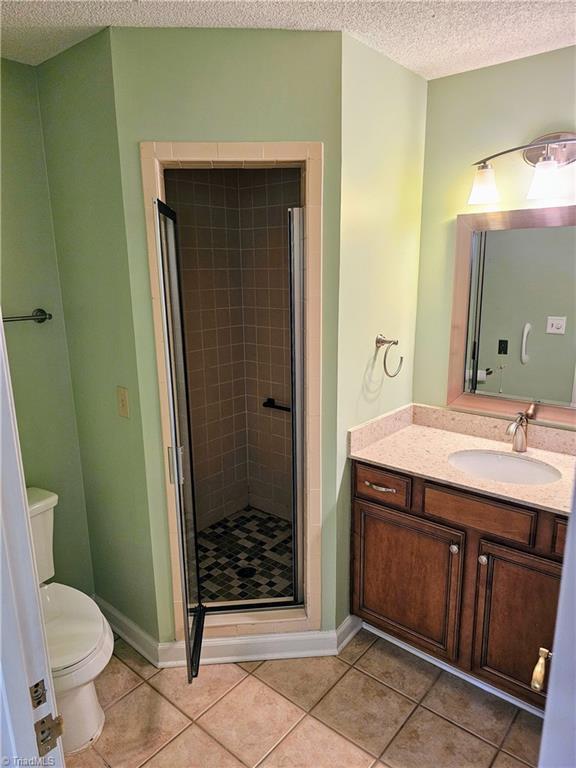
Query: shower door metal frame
296, 254
180, 451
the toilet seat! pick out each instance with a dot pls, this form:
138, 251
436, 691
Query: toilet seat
74, 625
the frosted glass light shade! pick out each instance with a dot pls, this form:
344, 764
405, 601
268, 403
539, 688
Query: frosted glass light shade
546, 182
484, 190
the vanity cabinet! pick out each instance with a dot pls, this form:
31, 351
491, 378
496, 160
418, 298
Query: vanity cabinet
515, 614
467, 578
409, 577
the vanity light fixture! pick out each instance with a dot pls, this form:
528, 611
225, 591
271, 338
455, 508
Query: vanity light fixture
546, 182
548, 154
484, 190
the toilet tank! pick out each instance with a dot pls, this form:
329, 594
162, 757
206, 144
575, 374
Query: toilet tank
41, 505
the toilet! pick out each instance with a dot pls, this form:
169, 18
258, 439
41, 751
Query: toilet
80, 640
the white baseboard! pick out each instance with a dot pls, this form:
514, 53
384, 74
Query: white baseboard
455, 671
280, 645
223, 650
128, 630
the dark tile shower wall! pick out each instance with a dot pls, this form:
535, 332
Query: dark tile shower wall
232, 227
265, 196
206, 204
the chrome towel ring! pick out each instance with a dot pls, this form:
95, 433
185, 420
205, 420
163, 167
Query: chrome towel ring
382, 341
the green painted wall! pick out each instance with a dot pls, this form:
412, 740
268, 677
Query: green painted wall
228, 85
470, 116
38, 354
101, 98
383, 122
528, 275
79, 121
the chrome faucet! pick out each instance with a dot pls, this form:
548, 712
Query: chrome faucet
519, 429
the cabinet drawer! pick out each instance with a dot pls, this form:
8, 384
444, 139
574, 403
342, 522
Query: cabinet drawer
559, 536
383, 487
510, 523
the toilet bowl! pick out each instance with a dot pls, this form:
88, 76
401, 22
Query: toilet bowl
80, 644
80, 641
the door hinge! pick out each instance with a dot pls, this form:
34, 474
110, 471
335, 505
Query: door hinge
175, 464
38, 694
48, 729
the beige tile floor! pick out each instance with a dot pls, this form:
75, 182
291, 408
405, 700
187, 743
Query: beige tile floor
374, 705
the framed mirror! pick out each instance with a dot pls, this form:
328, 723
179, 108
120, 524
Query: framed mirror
513, 337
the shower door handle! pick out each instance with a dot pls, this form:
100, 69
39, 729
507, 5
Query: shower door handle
175, 465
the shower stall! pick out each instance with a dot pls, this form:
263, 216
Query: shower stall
230, 242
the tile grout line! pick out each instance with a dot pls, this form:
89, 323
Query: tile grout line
506, 752
154, 754
317, 719
204, 711
520, 759
306, 714
191, 720
199, 725
419, 703
343, 734
413, 699
145, 679
149, 757
472, 733
195, 722
280, 740
334, 730
342, 676
398, 732
122, 696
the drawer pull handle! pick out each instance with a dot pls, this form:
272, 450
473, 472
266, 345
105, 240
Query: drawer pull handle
483, 560
454, 549
537, 682
380, 488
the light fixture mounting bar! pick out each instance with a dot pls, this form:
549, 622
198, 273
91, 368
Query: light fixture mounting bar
550, 140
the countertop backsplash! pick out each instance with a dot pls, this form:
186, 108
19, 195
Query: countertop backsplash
491, 428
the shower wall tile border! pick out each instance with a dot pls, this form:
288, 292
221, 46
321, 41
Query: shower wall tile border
155, 158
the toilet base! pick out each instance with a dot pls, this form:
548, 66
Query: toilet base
83, 717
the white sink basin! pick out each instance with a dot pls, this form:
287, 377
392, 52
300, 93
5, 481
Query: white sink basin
504, 467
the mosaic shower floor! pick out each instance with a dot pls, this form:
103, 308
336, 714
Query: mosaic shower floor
247, 556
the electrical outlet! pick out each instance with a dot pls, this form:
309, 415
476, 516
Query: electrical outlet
123, 404
556, 325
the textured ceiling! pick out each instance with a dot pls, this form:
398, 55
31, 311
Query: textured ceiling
431, 37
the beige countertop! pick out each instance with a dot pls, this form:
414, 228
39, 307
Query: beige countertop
424, 451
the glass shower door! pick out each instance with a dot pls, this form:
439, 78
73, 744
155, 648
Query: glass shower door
180, 452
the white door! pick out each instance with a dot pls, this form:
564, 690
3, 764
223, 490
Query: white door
27, 701
559, 736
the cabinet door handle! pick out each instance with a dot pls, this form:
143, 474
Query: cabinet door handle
380, 488
483, 560
454, 549
537, 682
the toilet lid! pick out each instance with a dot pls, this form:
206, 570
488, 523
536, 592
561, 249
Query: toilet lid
73, 622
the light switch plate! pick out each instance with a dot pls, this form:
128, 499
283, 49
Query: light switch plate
123, 404
556, 325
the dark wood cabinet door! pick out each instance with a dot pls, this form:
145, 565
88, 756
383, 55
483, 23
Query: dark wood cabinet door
408, 577
517, 598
